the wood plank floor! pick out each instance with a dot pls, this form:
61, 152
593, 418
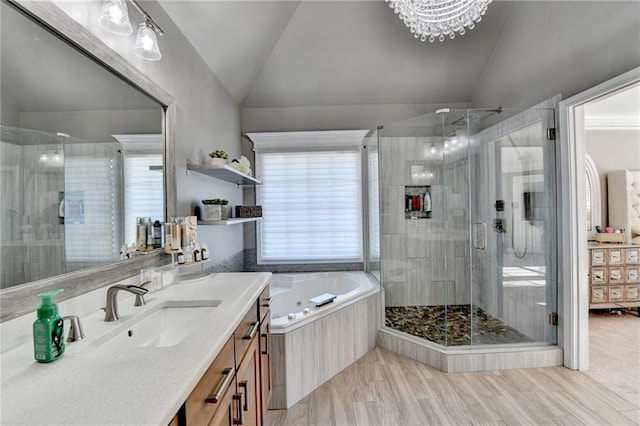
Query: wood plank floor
614, 353
384, 388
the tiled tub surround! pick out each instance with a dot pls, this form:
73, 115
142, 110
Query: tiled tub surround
92, 384
309, 351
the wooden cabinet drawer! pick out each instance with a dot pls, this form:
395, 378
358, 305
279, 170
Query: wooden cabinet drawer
206, 398
616, 293
632, 293
633, 256
599, 294
598, 257
616, 275
246, 330
633, 274
599, 276
616, 257
264, 301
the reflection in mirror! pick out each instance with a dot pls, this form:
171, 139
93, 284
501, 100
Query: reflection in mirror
81, 156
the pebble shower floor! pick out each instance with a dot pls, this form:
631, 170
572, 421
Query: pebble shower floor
451, 325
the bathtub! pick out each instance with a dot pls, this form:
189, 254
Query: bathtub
303, 348
290, 294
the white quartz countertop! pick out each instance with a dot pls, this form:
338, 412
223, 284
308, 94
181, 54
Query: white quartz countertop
110, 385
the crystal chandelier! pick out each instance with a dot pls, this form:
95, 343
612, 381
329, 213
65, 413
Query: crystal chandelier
438, 19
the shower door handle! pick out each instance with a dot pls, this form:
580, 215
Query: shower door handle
475, 235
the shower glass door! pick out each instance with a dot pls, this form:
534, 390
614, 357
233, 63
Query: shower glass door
513, 224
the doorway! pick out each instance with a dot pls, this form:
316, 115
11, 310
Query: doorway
575, 288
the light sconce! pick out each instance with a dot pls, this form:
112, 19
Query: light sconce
146, 46
115, 18
51, 159
433, 149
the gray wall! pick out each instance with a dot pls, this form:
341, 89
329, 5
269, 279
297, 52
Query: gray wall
95, 126
563, 47
612, 149
207, 118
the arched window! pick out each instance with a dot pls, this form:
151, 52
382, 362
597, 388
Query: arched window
592, 197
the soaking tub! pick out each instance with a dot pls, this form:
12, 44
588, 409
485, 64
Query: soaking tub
291, 294
304, 337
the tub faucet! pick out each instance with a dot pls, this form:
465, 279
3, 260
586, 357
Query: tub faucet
111, 311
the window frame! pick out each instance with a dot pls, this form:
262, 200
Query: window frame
303, 142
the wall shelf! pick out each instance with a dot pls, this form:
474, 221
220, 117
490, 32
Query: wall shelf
225, 173
232, 221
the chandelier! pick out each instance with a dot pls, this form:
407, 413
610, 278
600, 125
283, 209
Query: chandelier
438, 19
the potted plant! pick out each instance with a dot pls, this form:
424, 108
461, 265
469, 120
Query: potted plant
218, 157
215, 209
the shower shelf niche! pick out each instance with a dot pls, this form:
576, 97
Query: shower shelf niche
417, 202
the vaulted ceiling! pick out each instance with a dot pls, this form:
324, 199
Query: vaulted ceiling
316, 53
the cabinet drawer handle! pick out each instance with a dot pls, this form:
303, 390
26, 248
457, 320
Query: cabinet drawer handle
266, 302
237, 399
265, 351
254, 330
213, 399
245, 385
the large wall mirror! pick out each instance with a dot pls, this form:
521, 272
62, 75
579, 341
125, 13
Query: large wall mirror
82, 155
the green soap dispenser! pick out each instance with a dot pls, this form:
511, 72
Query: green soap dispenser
48, 342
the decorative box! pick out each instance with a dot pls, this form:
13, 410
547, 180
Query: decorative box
601, 237
248, 211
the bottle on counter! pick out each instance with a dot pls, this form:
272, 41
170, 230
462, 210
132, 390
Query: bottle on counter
48, 330
141, 234
197, 253
181, 259
149, 234
204, 251
157, 234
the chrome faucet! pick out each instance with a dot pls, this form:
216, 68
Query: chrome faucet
75, 328
111, 311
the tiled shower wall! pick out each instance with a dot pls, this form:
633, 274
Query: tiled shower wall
32, 244
415, 251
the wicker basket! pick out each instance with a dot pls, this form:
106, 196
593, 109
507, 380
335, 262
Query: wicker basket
610, 238
248, 211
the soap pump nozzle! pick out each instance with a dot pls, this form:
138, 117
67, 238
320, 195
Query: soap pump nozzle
47, 307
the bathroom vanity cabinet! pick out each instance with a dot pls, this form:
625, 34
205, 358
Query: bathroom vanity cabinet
614, 276
231, 392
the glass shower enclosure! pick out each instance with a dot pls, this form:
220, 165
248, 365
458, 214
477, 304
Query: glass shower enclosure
468, 225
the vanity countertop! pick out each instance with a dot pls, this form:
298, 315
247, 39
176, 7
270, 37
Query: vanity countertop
95, 385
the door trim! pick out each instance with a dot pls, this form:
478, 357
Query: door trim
575, 291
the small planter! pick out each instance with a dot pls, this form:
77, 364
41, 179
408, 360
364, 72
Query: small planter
217, 161
226, 212
212, 212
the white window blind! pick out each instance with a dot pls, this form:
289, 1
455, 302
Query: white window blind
312, 206
90, 188
143, 191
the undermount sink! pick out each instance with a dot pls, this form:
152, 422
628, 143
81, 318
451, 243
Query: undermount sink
165, 326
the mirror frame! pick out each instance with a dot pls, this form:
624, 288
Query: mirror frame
20, 300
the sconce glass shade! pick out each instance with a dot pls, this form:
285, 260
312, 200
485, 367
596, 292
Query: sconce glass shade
114, 17
146, 45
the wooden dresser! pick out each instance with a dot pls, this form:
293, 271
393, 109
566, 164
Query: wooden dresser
614, 275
